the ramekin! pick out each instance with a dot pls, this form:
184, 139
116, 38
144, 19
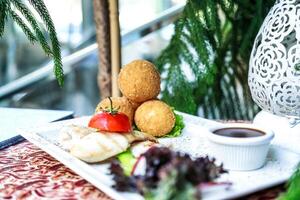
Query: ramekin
240, 153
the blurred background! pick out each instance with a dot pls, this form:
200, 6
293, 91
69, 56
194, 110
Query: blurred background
26, 78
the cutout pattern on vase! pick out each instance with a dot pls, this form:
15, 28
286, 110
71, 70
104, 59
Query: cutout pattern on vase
273, 78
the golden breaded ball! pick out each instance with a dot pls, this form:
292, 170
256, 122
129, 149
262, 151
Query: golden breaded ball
135, 105
154, 117
121, 103
139, 81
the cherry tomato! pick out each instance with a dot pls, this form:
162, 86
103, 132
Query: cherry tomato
112, 122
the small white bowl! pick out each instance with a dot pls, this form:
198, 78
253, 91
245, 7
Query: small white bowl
240, 153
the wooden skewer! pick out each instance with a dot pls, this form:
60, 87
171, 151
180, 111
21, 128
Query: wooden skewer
115, 45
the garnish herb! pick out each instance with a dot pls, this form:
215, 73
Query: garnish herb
169, 175
178, 127
293, 191
127, 161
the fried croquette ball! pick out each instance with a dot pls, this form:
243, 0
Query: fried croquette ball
135, 105
139, 81
154, 117
120, 103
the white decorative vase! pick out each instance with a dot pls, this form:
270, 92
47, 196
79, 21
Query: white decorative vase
273, 78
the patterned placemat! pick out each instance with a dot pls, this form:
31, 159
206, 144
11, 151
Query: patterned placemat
268, 194
27, 172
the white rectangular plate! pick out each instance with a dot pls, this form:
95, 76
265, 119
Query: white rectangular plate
278, 168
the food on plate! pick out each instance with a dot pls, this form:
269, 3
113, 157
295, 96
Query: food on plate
178, 127
69, 134
234, 145
94, 146
135, 105
105, 121
166, 174
121, 103
141, 147
129, 159
155, 117
110, 119
139, 81
110, 130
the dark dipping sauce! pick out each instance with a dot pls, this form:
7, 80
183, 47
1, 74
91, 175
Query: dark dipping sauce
237, 132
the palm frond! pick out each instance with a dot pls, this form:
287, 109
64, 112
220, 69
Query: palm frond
44, 14
30, 18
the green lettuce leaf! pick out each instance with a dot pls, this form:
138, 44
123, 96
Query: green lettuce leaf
178, 127
168, 188
127, 161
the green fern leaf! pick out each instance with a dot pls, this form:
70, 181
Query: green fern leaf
205, 64
33, 32
30, 18
31, 37
44, 14
227, 5
3, 15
